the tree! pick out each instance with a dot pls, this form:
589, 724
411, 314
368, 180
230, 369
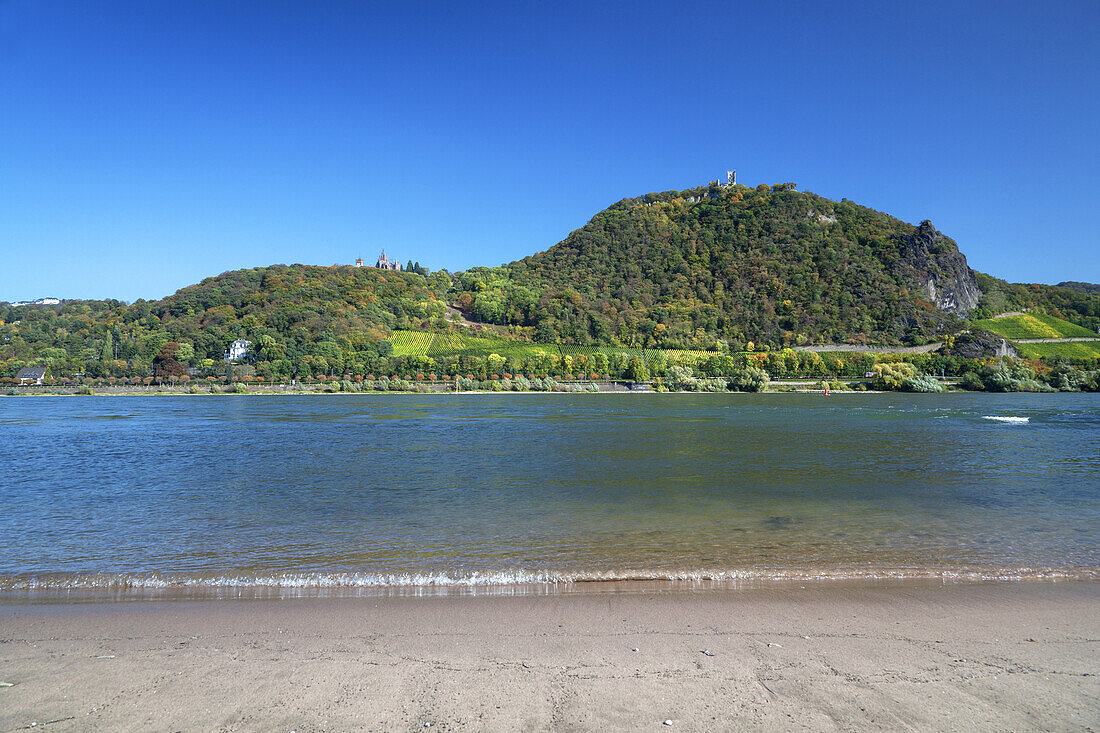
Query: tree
165, 363
750, 379
185, 353
637, 371
892, 375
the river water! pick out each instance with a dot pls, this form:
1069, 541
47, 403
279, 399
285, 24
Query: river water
437, 491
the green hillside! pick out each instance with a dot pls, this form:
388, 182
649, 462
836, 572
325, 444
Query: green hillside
1080, 287
675, 277
770, 265
1078, 306
1033, 326
1076, 350
300, 319
438, 346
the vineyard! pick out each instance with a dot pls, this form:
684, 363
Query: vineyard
568, 350
1033, 326
411, 343
685, 356
460, 344
435, 345
1065, 349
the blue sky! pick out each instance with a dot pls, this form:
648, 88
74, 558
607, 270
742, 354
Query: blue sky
144, 146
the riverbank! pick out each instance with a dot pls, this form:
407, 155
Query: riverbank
994, 656
783, 386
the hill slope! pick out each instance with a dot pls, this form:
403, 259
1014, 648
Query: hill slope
677, 270
770, 265
300, 318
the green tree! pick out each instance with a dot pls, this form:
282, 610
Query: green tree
637, 371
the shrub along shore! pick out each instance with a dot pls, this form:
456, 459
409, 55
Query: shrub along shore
778, 372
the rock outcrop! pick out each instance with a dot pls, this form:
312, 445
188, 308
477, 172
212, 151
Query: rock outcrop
930, 263
978, 343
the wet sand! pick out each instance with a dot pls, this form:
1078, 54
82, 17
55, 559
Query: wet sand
1019, 656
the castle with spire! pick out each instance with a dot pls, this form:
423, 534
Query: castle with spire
384, 263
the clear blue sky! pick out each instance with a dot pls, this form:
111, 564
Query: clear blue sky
145, 145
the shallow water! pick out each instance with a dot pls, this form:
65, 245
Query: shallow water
391, 490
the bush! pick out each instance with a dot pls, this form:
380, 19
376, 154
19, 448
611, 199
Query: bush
922, 383
238, 388
973, 382
749, 379
84, 390
193, 390
215, 389
680, 377
1005, 375
892, 375
1067, 378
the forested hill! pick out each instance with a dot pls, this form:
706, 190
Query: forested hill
680, 270
768, 265
1088, 288
299, 318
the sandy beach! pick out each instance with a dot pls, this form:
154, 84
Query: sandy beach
1020, 656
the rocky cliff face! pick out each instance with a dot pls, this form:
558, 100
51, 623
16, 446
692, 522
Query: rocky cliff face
930, 263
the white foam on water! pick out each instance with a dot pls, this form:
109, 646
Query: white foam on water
294, 582
1011, 419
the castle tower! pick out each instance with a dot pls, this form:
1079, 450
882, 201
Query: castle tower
384, 263
731, 178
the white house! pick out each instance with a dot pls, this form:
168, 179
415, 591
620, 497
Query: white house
237, 350
31, 375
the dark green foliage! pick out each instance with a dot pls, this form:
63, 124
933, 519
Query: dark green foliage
1089, 288
749, 379
301, 320
922, 383
1006, 375
772, 266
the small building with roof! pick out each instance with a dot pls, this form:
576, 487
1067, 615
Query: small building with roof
31, 375
237, 350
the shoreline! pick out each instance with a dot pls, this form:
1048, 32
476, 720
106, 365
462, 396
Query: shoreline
991, 656
56, 589
288, 392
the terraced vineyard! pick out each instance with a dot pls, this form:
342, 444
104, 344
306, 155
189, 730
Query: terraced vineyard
570, 350
1033, 326
461, 344
686, 356
423, 343
1067, 349
411, 343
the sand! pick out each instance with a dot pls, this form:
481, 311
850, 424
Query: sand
1009, 656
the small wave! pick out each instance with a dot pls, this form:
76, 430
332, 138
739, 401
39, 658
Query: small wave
317, 582
1011, 419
